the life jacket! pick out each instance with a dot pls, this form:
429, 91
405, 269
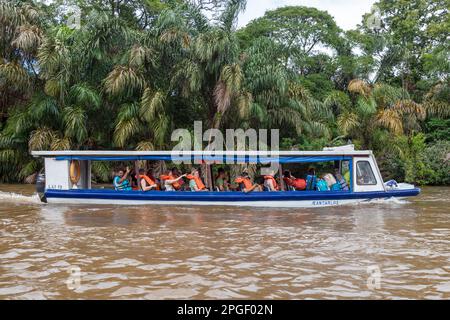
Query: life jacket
311, 182
176, 185
125, 185
336, 187
343, 184
296, 183
244, 181
158, 186
322, 185
197, 180
149, 180
274, 182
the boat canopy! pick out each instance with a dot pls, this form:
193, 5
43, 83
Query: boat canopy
209, 156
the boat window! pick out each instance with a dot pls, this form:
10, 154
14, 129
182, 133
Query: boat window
364, 174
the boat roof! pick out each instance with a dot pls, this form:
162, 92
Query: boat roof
210, 156
113, 153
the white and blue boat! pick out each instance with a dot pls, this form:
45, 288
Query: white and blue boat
60, 187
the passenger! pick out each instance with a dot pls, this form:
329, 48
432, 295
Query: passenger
195, 182
221, 180
341, 180
146, 182
322, 185
246, 184
293, 182
168, 180
157, 181
134, 181
347, 177
330, 179
179, 185
121, 182
311, 179
270, 183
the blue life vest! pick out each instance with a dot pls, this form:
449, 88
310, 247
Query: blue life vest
124, 186
340, 179
311, 182
322, 185
336, 186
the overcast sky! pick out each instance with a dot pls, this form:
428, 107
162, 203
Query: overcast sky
347, 13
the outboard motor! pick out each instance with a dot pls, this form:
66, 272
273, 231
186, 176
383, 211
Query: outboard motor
40, 186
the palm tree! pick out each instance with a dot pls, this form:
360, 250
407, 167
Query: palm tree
376, 107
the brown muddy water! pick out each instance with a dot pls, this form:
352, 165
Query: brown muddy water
383, 250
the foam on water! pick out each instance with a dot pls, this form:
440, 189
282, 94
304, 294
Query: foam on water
389, 200
19, 198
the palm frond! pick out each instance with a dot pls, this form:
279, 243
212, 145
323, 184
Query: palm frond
61, 144
41, 139
391, 120
83, 94
127, 125
123, 80
145, 146
152, 103
28, 39
347, 121
15, 75
360, 87
75, 119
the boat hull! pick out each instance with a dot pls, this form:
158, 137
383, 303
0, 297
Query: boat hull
287, 199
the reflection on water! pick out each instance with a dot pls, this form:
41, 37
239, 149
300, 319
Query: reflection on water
222, 252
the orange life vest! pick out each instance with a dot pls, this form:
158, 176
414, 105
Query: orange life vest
246, 181
296, 183
198, 181
176, 185
149, 180
274, 182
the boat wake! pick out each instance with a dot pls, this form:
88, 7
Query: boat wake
19, 198
392, 200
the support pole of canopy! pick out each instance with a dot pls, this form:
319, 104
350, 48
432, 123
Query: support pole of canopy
136, 171
208, 176
211, 188
280, 174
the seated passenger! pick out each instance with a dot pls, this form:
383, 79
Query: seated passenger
311, 179
120, 181
293, 182
322, 185
246, 184
133, 180
167, 180
221, 180
195, 182
341, 180
151, 176
146, 182
330, 179
179, 185
270, 183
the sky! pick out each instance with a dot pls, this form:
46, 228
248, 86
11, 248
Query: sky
347, 13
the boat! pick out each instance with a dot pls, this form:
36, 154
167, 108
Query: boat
67, 179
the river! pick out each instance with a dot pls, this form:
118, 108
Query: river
394, 249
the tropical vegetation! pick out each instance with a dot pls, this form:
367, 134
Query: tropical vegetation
93, 74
